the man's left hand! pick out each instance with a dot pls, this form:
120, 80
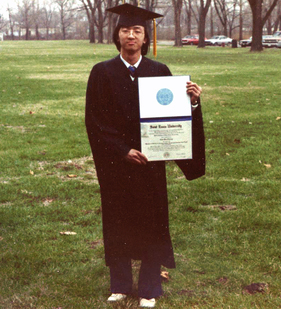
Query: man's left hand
194, 91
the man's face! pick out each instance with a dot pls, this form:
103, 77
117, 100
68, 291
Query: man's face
132, 38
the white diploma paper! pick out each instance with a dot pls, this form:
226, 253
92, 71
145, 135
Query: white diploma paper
165, 112
166, 140
164, 96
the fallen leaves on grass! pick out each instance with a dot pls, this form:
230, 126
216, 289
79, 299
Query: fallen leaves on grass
254, 288
181, 177
68, 233
165, 275
71, 176
25, 192
223, 280
265, 164
228, 207
1, 238
96, 243
222, 207
278, 118
47, 202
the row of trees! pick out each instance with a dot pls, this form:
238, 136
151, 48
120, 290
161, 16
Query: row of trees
62, 19
227, 13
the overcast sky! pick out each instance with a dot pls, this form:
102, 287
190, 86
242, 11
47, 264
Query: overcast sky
4, 4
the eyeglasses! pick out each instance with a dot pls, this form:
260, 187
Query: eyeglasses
135, 32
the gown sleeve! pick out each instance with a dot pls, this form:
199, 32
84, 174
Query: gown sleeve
195, 167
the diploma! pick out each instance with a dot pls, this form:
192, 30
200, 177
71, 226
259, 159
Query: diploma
166, 140
166, 118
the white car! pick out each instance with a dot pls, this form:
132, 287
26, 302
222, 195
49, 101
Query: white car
218, 40
273, 40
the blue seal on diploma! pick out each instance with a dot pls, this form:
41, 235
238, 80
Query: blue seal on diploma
165, 96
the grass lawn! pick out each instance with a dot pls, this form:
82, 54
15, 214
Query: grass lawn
225, 226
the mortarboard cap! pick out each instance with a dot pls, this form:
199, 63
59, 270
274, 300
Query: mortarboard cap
131, 15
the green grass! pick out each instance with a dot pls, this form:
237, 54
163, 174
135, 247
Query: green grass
225, 226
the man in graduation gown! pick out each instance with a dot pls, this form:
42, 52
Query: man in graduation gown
133, 190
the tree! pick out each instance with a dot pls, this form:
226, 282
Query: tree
11, 22
177, 4
150, 6
66, 15
47, 16
204, 7
25, 13
36, 17
273, 20
259, 21
90, 11
3, 22
227, 13
112, 19
188, 10
240, 20
211, 21
233, 15
222, 12
277, 23
100, 20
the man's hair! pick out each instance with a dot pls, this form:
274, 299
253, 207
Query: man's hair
145, 46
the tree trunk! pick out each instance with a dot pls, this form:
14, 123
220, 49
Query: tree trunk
211, 23
148, 6
27, 33
63, 33
241, 20
11, 25
259, 21
201, 29
92, 36
37, 32
256, 7
100, 23
268, 26
277, 23
90, 11
188, 10
177, 20
202, 22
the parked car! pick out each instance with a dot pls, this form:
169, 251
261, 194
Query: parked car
279, 44
244, 43
190, 40
218, 40
272, 40
248, 42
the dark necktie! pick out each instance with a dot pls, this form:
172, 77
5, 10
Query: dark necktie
132, 70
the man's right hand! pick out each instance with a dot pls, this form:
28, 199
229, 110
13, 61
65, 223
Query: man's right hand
136, 157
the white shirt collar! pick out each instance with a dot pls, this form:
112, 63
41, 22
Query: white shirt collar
127, 64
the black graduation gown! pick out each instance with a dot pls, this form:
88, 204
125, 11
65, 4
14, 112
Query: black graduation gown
134, 198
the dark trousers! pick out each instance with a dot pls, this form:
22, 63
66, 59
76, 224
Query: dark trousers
149, 285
